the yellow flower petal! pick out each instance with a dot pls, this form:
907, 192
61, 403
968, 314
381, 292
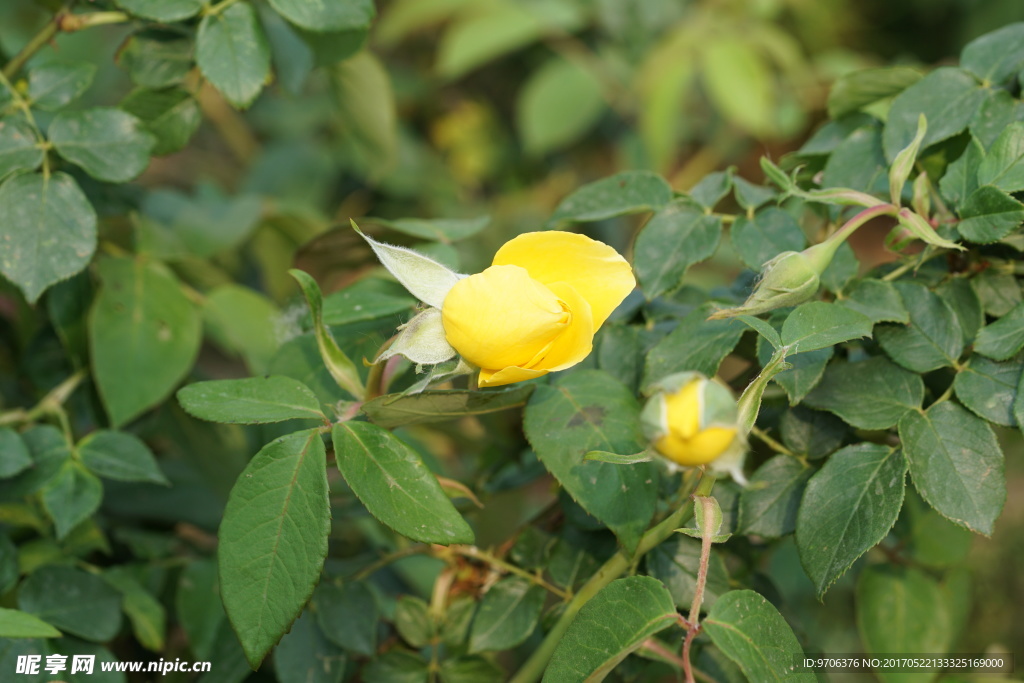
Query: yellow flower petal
577, 340
700, 450
592, 268
502, 317
683, 410
492, 378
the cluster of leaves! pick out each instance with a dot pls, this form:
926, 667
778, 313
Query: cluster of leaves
361, 565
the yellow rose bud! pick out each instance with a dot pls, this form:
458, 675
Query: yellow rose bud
691, 420
536, 309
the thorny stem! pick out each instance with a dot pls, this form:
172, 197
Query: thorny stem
706, 540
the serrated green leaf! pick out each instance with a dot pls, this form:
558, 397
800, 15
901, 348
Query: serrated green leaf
988, 388
1003, 338
50, 231
413, 621
233, 54
948, 97
255, 400
848, 507
367, 299
858, 162
108, 144
769, 503
120, 456
763, 328
144, 334
156, 58
74, 601
857, 89
989, 214
964, 300
397, 666
49, 450
676, 563
273, 539
872, 394
711, 189
816, 325
507, 615
932, 340
899, 610
930, 538
590, 411
995, 56
14, 454
470, 669
395, 486
623, 193
394, 410
771, 232
998, 292
198, 607
878, 300
956, 464
675, 238
19, 149
304, 655
326, 16
752, 633
614, 623
51, 86
163, 10
71, 496
1003, 165
17, 624
146, 614
696, 344
557, 105
961, 177
750, 196
348, 616
812, 433
172, 116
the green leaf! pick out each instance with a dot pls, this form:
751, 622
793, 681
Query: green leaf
172, 116
999, 292
256, 400
17, 624
871, 394
966, 304
1018, 405
71, 496
812, 433
49, 450
998, 110
368, 299
696, 344
857, 89
144, 334
394, 410
848, 507
752, 633
1003, 338
988, 388
770, 232
675, 238
109, 144
413, 621
162, 10
120, 456
206, 222
948, 97
558, 104
878, 300
1003, 166
903, 164
365, 100
961, 177
157, 58
244, 321
712, 189
841, 270
304, 655
618, 459
74, 601
900, 610
439, 229
764, 329
590, 411
989, 214
16, 456
676, 563
623, 193
395, 486
995, 57
750, 196
50, 231
817, 325
956, 464
739, 83
769, 504
146, 614
471, 669
397, 666
341, 367
198, 606
273, 539
930, 538
348, 616
19, 150
932, 340
507, 615
326, 16
233, 54
614, 623
51, 86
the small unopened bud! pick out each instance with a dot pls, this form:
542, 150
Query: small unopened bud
690, 419
789, 279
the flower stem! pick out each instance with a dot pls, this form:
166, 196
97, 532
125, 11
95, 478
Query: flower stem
706, 541
475, 553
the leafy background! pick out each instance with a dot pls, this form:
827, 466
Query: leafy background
194, 159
